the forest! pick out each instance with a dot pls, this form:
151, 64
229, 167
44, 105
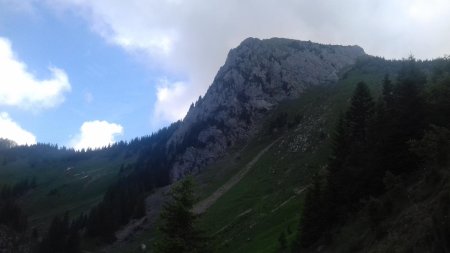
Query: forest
377, 146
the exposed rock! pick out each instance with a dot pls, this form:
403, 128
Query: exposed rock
256, 77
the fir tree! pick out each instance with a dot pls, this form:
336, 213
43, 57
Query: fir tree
407, 120
312, 222
179, 230
358, 117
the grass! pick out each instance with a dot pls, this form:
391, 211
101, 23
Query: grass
60, 189
252, 215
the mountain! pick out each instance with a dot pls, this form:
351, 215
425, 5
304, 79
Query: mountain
261, 146
256, 77
246, 114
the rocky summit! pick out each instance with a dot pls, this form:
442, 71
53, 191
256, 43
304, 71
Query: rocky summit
255, 78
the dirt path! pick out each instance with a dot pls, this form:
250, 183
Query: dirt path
209, 201
155, 201
296, 193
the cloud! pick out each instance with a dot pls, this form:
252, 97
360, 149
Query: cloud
170, 104
13, 131
96, 134
192, 38
20, 88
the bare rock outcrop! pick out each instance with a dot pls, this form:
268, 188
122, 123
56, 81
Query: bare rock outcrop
255, 78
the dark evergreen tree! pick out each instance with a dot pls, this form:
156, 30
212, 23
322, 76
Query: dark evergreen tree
179, 230
439, 102
61, 237
347, 176
125, 199
312, 222
346, 180
408, 119
11, 215
359, 115
379, 150
388, 92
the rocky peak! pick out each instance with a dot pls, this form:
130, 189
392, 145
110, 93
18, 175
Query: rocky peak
256, 76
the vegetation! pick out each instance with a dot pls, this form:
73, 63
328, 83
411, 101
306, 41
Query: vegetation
180, 233
62, 237
11, 214
123, 199
343, 186
371, 147
266, 202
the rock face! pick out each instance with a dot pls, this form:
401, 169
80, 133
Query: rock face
257, 76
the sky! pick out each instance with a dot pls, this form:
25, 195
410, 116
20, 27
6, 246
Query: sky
85, 73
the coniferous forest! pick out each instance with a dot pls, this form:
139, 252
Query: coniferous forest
379, 145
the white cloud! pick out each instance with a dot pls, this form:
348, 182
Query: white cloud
96, 134
192, 38
170, 104
13, 131
20, 88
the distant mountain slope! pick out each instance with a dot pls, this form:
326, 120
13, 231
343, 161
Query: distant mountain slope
255, 78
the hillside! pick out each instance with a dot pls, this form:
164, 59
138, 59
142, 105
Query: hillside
254, 195
256, 77
66, 180
270, 173
223, 123
255, 143
299, 129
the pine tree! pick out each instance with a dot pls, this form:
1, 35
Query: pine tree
359, 116
407, 120
179, 231
383, 139
388, 92
340, 145
439, 102
346, 178
311, 226
61, 237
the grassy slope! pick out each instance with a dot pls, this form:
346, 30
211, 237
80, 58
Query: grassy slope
60, 189
267, 201
252, 215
